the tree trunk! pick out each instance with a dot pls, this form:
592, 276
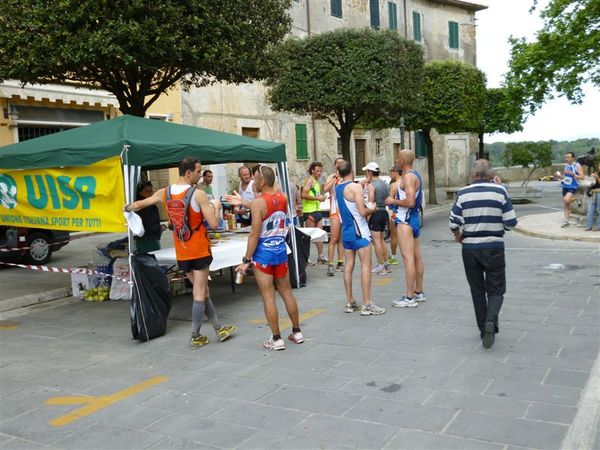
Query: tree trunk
430, 166
134, 105
481, 146
345, 135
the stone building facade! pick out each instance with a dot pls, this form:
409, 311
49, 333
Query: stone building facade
445, 29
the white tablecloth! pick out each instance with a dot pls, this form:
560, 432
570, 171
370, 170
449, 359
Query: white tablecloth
230, 252
225, 254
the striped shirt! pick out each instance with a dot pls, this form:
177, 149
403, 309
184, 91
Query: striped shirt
482, 211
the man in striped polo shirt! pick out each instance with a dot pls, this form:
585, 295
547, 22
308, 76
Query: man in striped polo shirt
481, 213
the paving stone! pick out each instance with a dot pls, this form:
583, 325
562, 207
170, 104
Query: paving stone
20, 444
400, 414
348, 432
309, 380
549, 412
567, 378
175, 443
526, 433
379, 371
129, 415
194, 404
553, 362
345, 353
111, 436
478, 403
289, 441
34, 426
414, 439
212, 433
304, 364
334, 403
536, 392
260, 416
388, 391
238, 388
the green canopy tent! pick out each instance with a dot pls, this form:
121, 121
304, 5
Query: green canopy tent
140, 142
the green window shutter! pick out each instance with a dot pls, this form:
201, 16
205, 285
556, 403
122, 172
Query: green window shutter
417, 26
336, 8
453, 34
374, 9
420, 145
301, 147
393, 13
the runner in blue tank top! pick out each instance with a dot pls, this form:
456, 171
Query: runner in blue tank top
409, 232
356, 238
573, 173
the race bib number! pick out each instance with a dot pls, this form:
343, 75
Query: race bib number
567, 180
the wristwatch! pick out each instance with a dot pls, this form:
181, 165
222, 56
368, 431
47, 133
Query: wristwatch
246, 260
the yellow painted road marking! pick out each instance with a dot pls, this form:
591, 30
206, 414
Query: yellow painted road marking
7, 325
94, 404
382, 281
287, 323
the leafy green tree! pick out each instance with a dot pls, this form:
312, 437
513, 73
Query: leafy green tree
501, 115
532, 155
564, 55
346, 75
453, 101
138, 49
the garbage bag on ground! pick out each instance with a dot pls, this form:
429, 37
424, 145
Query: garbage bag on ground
302, 250
151, 301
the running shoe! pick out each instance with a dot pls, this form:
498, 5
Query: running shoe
225, 331
564, 223
272, 344
371, 310
378, 268
339, 267
405, 302
420, 297
330, 272
392, 261
351, 307
322, 260
296, 338
197, 342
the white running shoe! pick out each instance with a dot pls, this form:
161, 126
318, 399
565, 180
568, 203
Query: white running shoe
371, 310
274, 344
296, 338
405, 302
420, 297
378, 268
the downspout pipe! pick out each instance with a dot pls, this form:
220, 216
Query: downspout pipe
312, 121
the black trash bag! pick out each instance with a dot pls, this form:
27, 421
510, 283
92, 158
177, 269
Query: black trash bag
150, 301
302, 250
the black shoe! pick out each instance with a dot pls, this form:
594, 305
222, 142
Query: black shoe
488, 335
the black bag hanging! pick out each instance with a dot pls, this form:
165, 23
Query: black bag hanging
302, 251
150, 300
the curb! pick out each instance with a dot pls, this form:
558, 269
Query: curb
554, 237
34, 299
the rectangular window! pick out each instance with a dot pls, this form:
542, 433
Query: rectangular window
453, 34
301, 146
251, 132
417, 36
378, 147
393, 13
336, 8
420, 145
374, 9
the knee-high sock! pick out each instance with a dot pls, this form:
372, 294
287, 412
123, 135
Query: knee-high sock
197, 316
211, 313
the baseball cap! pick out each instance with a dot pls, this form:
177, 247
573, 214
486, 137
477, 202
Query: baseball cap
372, 166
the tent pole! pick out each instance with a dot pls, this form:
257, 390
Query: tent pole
284, 178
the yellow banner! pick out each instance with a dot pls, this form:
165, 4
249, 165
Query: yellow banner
70, 198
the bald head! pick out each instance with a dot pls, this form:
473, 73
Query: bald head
406, 156
481, 170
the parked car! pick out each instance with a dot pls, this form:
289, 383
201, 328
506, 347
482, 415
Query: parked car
33, 245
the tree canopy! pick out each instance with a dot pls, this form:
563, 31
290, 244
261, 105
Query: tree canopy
453, 101
564, 55
138, 49
530, 155
501, 114
346, 75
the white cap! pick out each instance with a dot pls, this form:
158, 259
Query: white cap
372, 166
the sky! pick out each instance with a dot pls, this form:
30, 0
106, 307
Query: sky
557, 119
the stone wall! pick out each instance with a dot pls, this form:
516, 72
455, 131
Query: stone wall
518, 173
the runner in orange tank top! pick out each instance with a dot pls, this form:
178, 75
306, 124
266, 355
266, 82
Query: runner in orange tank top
193, 254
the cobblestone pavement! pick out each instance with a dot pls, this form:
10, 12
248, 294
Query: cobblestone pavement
415, 378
